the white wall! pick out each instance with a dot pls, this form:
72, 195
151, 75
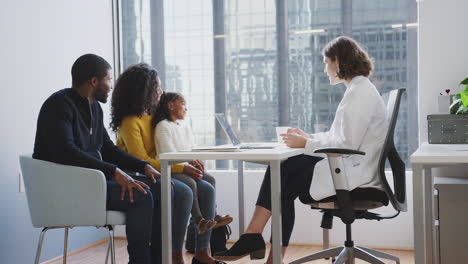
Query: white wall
443, 53
39, 41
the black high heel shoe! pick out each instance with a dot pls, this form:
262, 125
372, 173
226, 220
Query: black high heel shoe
248, 244
196, 261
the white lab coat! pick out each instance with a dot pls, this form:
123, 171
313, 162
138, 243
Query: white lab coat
359, 124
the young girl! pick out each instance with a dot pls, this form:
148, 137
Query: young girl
172, 134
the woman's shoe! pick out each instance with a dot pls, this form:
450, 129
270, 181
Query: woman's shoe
196, 261
248, 244
223, 220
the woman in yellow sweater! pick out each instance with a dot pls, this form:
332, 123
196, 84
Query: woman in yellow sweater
134, 99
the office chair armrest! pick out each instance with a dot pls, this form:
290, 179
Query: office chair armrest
340, 180
61, 195
339, 151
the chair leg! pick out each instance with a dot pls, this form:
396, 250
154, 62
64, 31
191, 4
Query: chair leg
108, 251
65, 246
39, 246
366, 256
328, 253
111, 241
343, 257
381, 254
351, 259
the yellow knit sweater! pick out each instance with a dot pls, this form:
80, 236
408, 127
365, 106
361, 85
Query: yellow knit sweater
136, 136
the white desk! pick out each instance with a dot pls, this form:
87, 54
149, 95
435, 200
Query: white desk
271, 157
426, 157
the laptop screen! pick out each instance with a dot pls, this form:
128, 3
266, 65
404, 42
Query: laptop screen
227, 128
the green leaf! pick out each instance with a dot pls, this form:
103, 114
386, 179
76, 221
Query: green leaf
464, 97
465, 82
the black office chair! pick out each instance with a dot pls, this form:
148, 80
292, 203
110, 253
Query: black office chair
355, 204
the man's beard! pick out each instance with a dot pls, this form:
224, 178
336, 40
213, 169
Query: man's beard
101, 95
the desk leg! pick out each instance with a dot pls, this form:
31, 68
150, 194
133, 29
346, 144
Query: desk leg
422, 210
418, 211
275, 169
166, 213
428, 194
240, 185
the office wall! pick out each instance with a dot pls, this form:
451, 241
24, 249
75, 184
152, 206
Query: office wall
443, 53
39, 41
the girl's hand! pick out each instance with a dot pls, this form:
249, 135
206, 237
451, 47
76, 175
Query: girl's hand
193, 172
294, 140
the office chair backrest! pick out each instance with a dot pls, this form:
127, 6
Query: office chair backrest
397, 196
61, 195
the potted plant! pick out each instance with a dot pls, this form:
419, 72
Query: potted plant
460, 100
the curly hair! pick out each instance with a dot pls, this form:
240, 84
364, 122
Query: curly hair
162, 111
353, 60
134, 93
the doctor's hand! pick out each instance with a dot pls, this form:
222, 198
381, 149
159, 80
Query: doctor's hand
298, 131
294, 140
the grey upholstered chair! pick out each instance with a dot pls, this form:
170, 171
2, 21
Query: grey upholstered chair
61, 196
351, 205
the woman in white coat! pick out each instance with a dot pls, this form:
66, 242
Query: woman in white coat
359, 124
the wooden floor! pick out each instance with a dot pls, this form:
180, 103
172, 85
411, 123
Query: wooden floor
97, 254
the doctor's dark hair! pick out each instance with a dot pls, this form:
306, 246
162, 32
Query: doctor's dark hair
87, 67
162, 111
353, 60
134, 93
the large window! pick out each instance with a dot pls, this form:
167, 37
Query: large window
223, 56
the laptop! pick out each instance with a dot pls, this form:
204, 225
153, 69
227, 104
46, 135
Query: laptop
236, 144
222, 120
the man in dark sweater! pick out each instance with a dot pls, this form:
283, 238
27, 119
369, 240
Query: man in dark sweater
70, 130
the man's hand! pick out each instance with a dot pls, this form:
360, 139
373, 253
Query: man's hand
198, 164
127, 184
294, 140
152, 173
193, 172
298, 131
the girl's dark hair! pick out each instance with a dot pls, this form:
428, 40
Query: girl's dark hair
134, 93
162, 110
353, 60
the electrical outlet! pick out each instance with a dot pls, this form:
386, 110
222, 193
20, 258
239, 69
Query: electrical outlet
20, 182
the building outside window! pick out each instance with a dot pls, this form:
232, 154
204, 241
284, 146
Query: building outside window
222, 55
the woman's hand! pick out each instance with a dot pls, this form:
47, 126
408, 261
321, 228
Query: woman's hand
294, 140
198, 164
193, 172
152, 173
298, 131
